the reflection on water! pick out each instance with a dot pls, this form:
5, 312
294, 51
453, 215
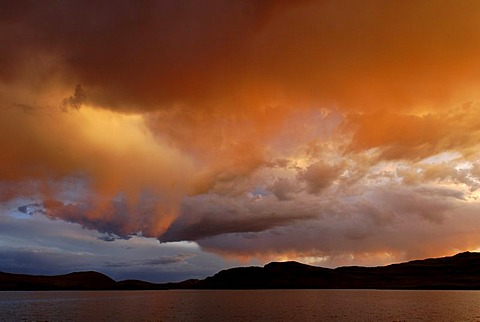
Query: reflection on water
258, 305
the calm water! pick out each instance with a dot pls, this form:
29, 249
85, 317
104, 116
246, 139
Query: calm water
262, 305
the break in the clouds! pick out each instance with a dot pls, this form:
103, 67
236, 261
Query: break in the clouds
327, 131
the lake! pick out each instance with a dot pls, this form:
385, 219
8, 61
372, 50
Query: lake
227, 305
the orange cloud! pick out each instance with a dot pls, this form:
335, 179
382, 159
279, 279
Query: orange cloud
403, 136
307, 108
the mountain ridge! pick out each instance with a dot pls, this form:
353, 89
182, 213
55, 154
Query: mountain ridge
460, 271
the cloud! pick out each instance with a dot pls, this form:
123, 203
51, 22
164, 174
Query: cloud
76, 100
408, 136
319, 176
85, 159
282, 122
212, 215
404, 225
39, 261
357, 221
248, 53
162, 33
115, 219
163, 260
282, 188
37, 245
110, 237
32, 209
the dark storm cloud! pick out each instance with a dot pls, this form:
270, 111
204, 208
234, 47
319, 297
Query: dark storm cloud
404, 223
217, 216
145, 52
149, 54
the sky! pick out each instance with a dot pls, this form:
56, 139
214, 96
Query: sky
165, 140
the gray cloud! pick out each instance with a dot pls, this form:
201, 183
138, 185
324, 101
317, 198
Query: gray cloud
110, 237
41, 260
32, 209
405, 222
211, 215
75, 101
283, 189
319, 176
38, 245
159, 261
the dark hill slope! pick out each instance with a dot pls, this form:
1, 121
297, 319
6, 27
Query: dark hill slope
73, 281
461, 271
273, 275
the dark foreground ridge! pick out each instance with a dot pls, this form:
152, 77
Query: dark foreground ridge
461, 272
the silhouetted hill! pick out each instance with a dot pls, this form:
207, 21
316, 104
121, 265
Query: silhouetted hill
73, 281
461, 271
139, 285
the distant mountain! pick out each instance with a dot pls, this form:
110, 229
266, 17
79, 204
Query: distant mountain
73, 281
461, 271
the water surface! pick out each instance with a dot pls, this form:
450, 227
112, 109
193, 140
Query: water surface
258, 305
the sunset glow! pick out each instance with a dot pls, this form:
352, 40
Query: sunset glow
212, 133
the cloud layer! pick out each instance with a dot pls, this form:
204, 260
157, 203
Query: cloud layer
314, 129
